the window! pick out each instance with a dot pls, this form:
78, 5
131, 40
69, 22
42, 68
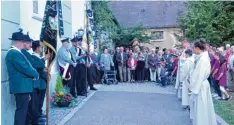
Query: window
157, 35
35, 6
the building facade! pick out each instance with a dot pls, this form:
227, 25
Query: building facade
159, 18
29, 15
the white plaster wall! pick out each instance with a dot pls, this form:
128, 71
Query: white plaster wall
78, 14
9, 24
16, 14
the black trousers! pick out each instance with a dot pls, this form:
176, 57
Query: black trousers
67, 83
163, 81
140, 70
117, 69
217, 89
22, 101
132, 74
81, 79
90, 76
33, 106
73, 81
42, 94
146, 74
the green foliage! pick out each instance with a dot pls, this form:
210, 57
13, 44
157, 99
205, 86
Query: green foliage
104, 20
212, 20
62, 94
59, 84
125, 36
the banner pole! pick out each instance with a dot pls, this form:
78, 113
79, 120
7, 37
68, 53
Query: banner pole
48, 91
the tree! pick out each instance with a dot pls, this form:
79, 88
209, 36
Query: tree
212, 20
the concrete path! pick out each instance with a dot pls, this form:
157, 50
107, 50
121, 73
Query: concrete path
131, 104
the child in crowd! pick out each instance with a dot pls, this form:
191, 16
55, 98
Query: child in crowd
132, 66
223, 79
163, 73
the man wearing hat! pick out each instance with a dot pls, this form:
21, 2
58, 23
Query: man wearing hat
76, 58
81, 69
37, 49
21, 77
74, 73
33, 112
65, 62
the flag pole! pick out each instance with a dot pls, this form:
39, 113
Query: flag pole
86, 68
48, 91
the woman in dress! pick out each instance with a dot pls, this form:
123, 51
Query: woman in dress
202, 104
223, 79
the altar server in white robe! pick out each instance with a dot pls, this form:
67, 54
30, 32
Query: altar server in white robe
203, 113
182, 59
186, 73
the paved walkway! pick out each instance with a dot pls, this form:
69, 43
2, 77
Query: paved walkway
131, 104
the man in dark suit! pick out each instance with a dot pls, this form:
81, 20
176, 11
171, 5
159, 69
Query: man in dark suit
37, 49
33, 112
116, 63
21, 76
80, 55
122, 59
167, 56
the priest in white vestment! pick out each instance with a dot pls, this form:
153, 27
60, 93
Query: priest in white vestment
203, 109
182, 59
186, 73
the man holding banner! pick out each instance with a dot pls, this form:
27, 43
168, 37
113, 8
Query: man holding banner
65, 62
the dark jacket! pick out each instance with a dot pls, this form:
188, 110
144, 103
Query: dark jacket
41, 71
20, 72
35, 64
119, 59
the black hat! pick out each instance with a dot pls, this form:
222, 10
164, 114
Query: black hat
74, 39
35, 44
79, 39
65, 40
18, 35
27, 38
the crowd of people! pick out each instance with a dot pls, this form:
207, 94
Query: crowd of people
200, 71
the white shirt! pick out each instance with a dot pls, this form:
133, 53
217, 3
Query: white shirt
37, 55
231, 61
15, 48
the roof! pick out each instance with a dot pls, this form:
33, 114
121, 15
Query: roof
151, 14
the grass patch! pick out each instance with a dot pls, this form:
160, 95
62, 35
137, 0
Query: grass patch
225, 109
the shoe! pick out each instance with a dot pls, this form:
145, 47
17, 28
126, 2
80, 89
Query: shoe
215, 95
41, 120
42, 116
82, 94
227, 99
92, 88
41, 123
218, 98
75, 96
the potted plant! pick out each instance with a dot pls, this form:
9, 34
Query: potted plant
61, 97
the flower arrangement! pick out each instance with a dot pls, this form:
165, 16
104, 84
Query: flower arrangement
61, 97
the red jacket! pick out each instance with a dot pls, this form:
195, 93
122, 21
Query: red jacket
130, 65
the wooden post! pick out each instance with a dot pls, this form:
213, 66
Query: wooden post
48, 91
86, 27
